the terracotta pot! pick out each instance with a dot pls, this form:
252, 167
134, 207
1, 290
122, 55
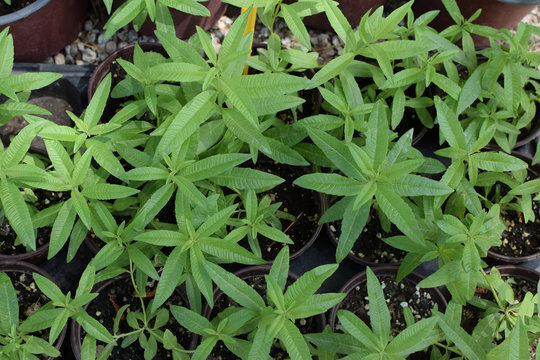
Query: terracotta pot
75, 328
352, 9
103, 69
496, 14
247, 273
498, 259
361, 280
44, 27
24, 267
185, 23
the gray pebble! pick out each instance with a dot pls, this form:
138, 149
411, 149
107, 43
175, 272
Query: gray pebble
88, 25
100, 39
122, 44
89, 55
110, 46
91, 38
132, 36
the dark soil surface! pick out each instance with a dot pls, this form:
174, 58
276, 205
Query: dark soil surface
397, 296
369, 247
258, 283
15, 5
8, 236
30, 299
301, 203
116, 295
520, 238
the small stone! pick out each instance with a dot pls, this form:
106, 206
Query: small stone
69, 59
91, 38
403, 304
49, 60
132, 36
122, 44
101, 39
264, 32
89, 56
88, 25
98, 313
79, 62
59, 59
110, 46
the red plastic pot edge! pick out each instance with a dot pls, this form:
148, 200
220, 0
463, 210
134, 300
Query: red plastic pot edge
28, 268
494, 258
436, 294
75, 328
22, 13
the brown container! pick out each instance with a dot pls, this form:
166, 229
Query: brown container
44, 27
496, 14
185, 23
352, 9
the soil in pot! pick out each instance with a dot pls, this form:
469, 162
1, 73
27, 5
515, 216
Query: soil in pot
301, 203
258, 283
398, 296
119, 293
369, 249
8, 236
15, 6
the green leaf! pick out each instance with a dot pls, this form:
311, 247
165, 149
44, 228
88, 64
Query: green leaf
305, 286
397, 210
192, 321
377, 136
470, 91
246, 178
88, 348
9, 316
63, 224
269, 85
414, 338
122, 16
280, 267
17, 213
142, 262
359, 330
295, 24
97, 104
187, 6
294, 341
212, 166
379, 315
93, 327
235, 288
229, 251
168, 280
337, 152
186, 122
107, 191
177, 72
81, 207
332, 184
331, 69
245, 130
200, 275
353, 223
464, 342
449, 124
499, 162
50, 289
416, 185
399, 49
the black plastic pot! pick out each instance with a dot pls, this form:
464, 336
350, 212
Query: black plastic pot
498, 259
525, 137
35, 257
247, 273
361, 280
75, 328
27, 268
44, 27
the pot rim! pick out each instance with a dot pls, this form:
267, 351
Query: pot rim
29, 268
35, 257
22, 13
437, 296
517, 271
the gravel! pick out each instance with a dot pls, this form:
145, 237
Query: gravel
91, 47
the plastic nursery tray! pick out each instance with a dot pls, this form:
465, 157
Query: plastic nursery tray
321, 252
